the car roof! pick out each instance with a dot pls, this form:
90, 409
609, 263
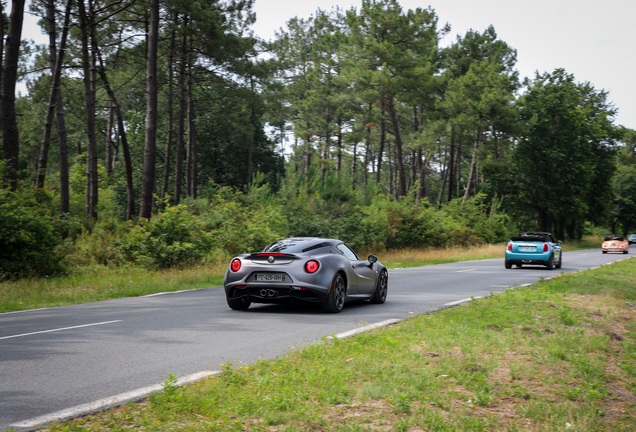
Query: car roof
300, 244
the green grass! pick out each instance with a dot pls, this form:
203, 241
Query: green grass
561, 352
101, 283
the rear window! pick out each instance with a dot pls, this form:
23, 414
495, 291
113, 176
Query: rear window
292, 246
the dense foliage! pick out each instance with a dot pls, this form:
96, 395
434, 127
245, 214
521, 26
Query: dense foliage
352, 124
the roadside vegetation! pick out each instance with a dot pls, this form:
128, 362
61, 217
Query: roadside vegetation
559, 355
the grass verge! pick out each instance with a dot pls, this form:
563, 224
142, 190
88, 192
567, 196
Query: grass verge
92, 284
559, 355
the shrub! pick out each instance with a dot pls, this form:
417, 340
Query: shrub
30, 234
171, 238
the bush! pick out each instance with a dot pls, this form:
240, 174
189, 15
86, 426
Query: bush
245, 223
30, 234
171, 238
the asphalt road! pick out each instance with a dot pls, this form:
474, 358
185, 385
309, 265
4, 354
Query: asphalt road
57, 358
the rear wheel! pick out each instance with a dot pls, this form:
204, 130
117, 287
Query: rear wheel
550, 264
604, 251
238, 303
382, 289
336, 297
508, 264
624, 251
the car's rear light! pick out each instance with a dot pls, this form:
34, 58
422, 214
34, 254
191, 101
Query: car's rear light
240, 286
235, 265
312, 266
509, 247
546, 247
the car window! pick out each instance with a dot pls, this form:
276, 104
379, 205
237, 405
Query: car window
347, 252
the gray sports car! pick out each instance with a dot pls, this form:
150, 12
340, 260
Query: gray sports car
305, 269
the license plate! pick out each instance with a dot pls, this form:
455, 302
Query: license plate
526, 247
269, 277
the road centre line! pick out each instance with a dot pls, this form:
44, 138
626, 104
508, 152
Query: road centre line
59, 329
102, 404
461, 271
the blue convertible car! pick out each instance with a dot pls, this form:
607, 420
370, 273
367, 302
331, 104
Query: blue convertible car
534, 248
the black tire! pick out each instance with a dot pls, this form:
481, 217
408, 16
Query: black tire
550, 264
560, 261
336, 297
604, 251
381, 289
508, 264
625, 252
239, 303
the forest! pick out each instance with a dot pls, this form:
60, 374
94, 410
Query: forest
161, 133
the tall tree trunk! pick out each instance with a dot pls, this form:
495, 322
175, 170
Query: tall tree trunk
130, 191
56, 75
86, 26
150, 148
354, 165
250, 150
109, 139
381, 149
192, 142
451, 166
458, 169
10, 133
390, 158
325, 150
473, 161
398, 147
2, 24
339, 144
182, 114
166, 167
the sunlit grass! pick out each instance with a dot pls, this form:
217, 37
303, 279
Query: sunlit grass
102, 283
556, 356
420, 257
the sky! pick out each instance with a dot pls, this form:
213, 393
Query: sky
593, 40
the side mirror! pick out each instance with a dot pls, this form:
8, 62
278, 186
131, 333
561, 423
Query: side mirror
372, 259
559, 243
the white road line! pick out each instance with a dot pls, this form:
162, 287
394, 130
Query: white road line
103, 404
458, 302
461, 271
173, 292
500, 286
59, 329
369, 327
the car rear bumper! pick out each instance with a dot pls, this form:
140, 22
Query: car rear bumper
260, 293
535, 258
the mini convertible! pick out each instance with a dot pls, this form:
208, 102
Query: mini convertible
305, 269
535, 248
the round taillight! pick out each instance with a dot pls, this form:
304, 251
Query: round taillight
235, 265
509, 247
312, 266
